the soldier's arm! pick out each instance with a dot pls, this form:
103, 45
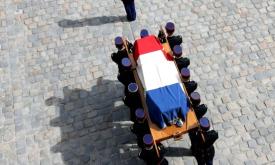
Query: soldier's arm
161, 36
113, 57
211, 137
142, 155
130, 46
179, 39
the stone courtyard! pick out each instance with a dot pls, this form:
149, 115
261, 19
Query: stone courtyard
60, 102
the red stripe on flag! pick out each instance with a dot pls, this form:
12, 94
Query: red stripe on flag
146, 45
167, 56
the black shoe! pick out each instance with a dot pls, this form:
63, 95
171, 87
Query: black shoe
131, 19
161, 148
164, 162
132, 129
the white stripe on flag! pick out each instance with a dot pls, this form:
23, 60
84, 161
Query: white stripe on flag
155, 71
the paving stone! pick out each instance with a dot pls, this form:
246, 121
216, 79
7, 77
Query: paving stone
233, 106
250, 162
261, 141
255, 134
263, 131
252, 144
261, 160
230, 132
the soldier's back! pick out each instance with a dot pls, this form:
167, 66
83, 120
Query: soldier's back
174, 40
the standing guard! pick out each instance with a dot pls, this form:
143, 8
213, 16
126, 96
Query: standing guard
182, 62
202, 143
130, 9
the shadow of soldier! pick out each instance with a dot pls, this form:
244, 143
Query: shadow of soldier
178, 152
94, 21
94, 126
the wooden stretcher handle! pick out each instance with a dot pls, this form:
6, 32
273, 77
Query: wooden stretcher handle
177, 136
170, 53
125, 43
140, 89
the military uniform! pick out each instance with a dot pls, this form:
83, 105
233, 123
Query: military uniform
190, 86
200, 110
118, 56
130, 9
148, 153
195, 99
125, 75
172, 39
203, 150
132, 99
140, 126
121, 53
182, 62
144, 33
161, 37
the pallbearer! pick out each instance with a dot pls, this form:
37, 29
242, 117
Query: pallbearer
121, 59
149, 154
182, 62
144, 33
185, 74
121, 51
195, 99
202, 143
190, 86
172, 39
132, 96
140, 127
125, 76
200, 110
132, 99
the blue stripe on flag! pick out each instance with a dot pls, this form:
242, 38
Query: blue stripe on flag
166, 104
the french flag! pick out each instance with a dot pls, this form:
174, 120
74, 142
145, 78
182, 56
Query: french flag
165, 96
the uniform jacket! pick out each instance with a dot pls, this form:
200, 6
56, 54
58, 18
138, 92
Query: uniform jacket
204, 150
182, 62
119, 55
174, 40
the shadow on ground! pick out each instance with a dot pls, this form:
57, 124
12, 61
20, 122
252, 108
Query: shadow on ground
178, 152
94, 130
95, 21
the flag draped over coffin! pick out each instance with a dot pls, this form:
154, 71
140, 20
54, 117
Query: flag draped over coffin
157, 71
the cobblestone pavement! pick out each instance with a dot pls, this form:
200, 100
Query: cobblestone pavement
60, 102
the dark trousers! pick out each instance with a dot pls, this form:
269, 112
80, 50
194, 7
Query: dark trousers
130, 9
204, 162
